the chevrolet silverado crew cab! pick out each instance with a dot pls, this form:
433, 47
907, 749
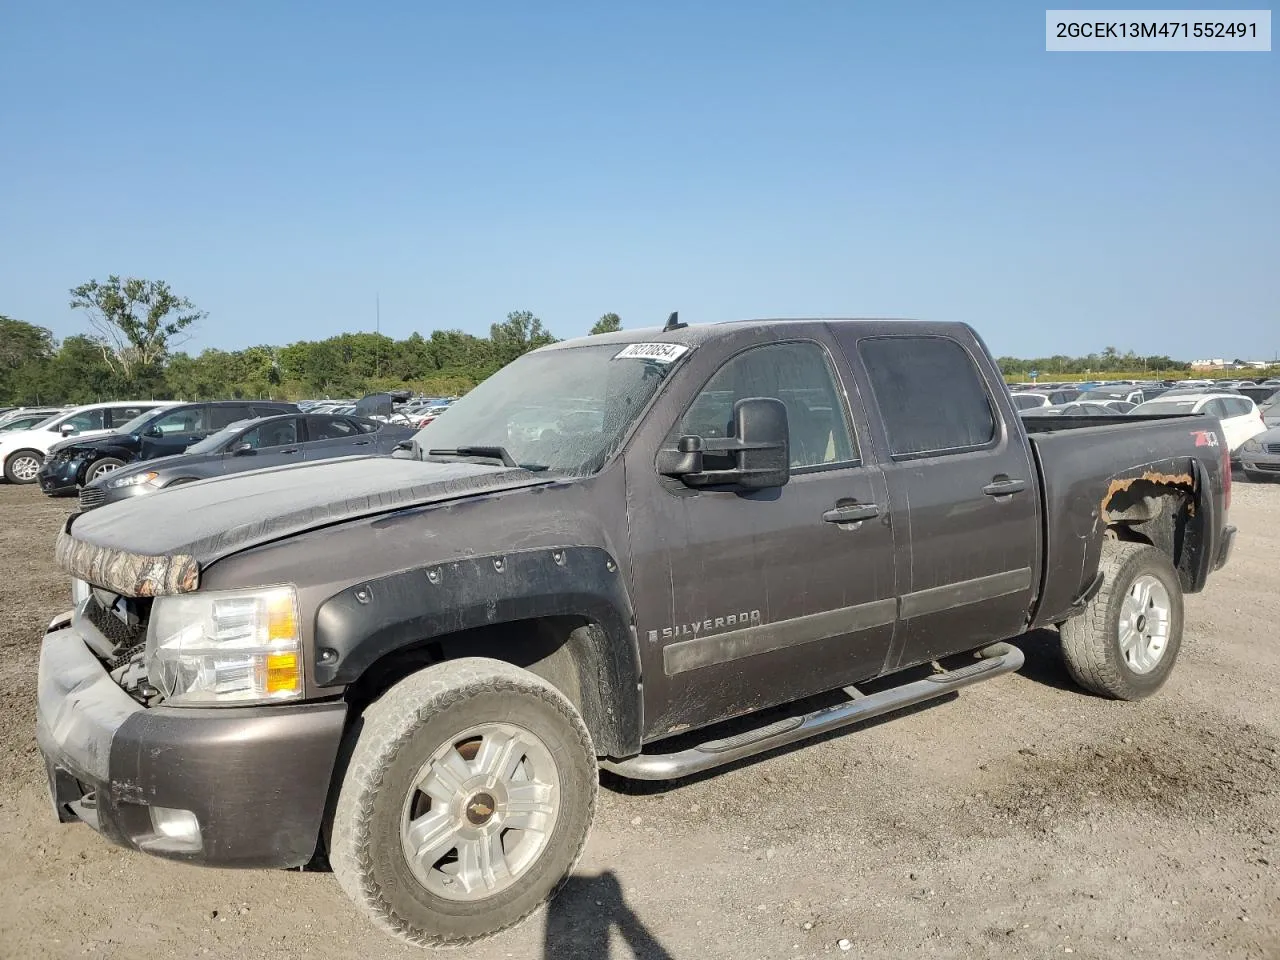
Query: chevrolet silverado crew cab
415, 665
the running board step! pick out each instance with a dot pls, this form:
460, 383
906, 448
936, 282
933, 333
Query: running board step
715, 753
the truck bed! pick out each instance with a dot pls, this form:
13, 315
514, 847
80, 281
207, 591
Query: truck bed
1082, 461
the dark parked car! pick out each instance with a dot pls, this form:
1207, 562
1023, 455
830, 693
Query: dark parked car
156, 433
249, 445
417, 665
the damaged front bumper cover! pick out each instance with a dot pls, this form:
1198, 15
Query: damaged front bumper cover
254, 779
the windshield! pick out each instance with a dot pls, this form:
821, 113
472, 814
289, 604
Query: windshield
563, 410
211, 443
138, 422
1164, 407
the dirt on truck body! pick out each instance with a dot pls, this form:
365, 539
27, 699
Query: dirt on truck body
416, 665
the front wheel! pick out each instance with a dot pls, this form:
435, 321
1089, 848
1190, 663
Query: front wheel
466, 803
100, 467
1127, 640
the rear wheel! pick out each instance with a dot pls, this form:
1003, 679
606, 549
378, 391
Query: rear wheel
23, 466
466, 803
1127, 640
100, 467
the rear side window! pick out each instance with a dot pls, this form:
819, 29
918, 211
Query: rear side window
119, 416
1027, 403
930, 395
1239, 408
330, 428
223, 415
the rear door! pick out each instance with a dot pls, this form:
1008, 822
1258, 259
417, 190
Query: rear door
331, 436
747, 599
962, 488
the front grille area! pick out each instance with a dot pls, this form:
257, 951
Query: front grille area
125, 630
91, 497
1267, 467
1273, 448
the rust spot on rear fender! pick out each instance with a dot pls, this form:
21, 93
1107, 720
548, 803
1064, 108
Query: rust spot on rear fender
1180, 481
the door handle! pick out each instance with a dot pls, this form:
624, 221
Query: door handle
290, 450
1004, 486
361, 443
851, 513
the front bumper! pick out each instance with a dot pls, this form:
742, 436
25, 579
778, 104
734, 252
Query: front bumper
59, 476
255, 778
1263, 462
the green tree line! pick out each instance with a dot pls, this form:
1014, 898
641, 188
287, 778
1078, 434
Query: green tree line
134, 326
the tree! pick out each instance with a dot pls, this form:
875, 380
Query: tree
609, 323
134, 322
521, 333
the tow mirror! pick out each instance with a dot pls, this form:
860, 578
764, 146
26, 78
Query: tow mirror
759, 451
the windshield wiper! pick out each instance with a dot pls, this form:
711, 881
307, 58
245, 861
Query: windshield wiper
488, 453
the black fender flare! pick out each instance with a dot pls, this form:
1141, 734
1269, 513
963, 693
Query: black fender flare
367, 621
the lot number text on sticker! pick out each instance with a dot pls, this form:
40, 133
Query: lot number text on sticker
659, 352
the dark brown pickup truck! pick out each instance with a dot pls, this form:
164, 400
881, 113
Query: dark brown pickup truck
415, 665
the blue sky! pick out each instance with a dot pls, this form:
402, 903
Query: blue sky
281, 163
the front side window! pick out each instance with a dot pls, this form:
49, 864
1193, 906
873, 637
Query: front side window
930, 395
799, 375
176, 422
278, 433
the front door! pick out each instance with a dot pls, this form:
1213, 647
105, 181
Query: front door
174, 432
749, 599
271, 444
961, 481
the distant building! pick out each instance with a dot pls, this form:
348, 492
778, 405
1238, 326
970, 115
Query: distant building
1215, 364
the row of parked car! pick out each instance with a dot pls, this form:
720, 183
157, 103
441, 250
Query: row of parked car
1249, 410
111, 451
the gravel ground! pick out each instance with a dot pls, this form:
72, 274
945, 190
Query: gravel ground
1021, 818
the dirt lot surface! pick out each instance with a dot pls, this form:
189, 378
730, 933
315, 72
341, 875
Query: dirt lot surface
1019, 819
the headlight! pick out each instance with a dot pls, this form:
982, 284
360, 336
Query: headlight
1252, 446
234, 646
148, 477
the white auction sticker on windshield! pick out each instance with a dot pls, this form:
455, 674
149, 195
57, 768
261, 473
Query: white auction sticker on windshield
659, 352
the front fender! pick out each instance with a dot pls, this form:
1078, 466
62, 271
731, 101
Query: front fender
369, 620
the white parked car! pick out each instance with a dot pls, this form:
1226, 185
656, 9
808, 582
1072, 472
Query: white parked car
1240, 418
22, 451
1026, 400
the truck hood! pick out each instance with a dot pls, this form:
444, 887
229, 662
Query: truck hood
154, 545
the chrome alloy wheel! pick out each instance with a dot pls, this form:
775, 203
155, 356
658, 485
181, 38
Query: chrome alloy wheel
25, 467
481, 812
1146, 615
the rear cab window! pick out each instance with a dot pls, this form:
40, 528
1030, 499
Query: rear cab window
931, 397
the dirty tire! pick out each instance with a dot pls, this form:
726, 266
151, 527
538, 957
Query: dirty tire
17, 467
1091, 641
397, 735
103, 466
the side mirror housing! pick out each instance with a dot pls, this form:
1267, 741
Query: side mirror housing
760, 449
67, 429
242, 449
